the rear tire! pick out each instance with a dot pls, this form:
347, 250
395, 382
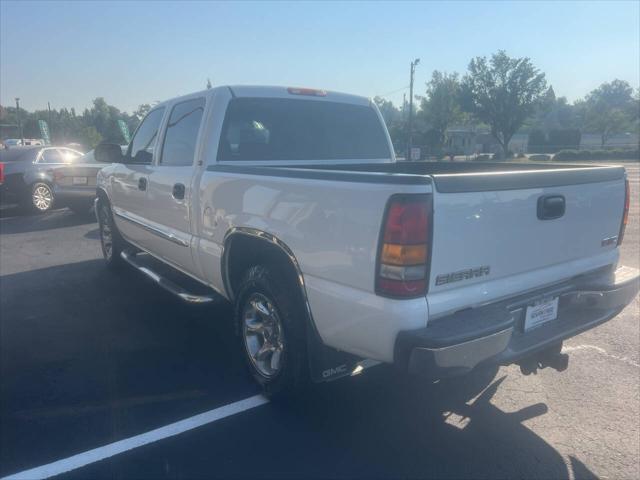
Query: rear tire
111, 241
271, 324
41, 199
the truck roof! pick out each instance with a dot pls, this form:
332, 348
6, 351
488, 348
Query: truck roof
284, 92
280, 92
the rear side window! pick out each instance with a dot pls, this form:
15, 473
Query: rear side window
51, 155
70, 156
182, 133
145, 138
288, 129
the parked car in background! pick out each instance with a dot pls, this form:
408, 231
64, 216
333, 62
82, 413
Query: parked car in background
11, 142
26, 177
17, 142
75, 182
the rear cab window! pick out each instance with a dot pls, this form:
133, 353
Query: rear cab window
292, 129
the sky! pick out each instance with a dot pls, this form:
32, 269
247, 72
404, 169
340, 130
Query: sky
130, 53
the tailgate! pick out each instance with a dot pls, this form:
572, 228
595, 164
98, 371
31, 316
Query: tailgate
499, 234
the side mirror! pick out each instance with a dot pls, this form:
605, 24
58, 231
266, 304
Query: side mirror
108, 153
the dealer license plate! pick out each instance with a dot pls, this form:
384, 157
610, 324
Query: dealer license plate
542, 312
79, 180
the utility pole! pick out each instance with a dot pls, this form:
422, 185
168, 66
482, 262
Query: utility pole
50, 126
18, 118
404, 106
410, 142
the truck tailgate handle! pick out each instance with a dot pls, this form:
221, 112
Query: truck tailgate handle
551, 207
178, 191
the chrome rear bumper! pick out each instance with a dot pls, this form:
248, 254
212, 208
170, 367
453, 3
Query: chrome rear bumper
494, 334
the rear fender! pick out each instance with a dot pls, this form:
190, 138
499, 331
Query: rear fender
325, 363
39, 173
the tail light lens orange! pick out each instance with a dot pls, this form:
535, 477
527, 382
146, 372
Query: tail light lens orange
625, 212
403, 258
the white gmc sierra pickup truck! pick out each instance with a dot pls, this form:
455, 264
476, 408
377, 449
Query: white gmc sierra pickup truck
289, 203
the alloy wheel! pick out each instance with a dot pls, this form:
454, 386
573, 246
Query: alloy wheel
106, 235
42, 197
263, 335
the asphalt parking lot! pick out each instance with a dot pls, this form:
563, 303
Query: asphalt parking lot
91, 360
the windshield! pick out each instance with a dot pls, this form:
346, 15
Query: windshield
287, 129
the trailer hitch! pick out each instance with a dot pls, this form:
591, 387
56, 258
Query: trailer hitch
549, 357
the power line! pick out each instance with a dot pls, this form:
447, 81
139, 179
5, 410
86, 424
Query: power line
393, 91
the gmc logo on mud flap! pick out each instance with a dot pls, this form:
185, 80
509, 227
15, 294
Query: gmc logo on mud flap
463, 275
339, 370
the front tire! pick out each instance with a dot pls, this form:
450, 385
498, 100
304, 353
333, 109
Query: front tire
42, 197
270, 321
111, 241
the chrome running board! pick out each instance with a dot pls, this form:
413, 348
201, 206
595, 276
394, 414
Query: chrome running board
167, 284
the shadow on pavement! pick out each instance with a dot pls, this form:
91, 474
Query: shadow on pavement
29, 222
93, 234
88, 358
580, 470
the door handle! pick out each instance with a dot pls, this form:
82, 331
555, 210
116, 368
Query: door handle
551, 207
178, 191
142, 183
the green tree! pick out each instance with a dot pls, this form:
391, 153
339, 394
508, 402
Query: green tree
502, 92
388, 110
396, 125
89, 137
142, 111
553, 113
440, 108
610, 109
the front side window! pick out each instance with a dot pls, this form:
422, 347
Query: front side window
182, 133
288, 129
144, 140
51, 155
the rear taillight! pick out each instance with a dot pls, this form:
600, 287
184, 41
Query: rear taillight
1, 173
403, 258
58, 175
625, 212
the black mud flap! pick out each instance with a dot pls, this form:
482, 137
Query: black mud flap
326, 363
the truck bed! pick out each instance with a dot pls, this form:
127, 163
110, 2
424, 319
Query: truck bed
448, 177
452, 177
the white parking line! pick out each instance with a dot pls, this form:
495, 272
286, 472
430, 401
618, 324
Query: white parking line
602, 351
100, 453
